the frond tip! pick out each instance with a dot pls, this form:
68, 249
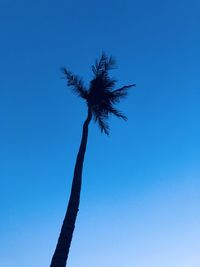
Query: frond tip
103, 65
103, 125
75, 83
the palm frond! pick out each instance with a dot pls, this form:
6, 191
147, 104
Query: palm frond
75, 83
103, 125
103, 65
120, 93
99, 84
100, 116
123, 89
117, 113
99, 65
109, 83
110, 63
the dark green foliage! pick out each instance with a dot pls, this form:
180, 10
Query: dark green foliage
100, 96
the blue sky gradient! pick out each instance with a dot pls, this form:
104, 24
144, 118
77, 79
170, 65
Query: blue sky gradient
141, 187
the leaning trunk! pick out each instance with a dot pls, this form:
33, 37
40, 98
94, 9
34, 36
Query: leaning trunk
62, 249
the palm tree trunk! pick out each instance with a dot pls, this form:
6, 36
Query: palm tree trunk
62, 249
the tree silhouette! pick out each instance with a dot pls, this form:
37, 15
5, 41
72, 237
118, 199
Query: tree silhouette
100, 98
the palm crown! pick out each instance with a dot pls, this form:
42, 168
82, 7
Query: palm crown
100, 97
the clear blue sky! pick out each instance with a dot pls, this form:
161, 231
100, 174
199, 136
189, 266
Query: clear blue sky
141, 187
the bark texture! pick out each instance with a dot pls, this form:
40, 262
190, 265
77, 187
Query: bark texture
60, 256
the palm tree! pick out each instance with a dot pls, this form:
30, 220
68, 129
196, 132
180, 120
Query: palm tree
100, 99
